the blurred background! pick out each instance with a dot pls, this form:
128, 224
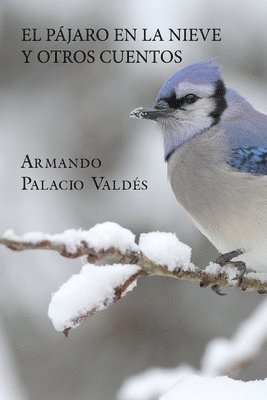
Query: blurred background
82, 110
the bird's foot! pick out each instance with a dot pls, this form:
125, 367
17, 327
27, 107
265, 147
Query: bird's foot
217, 290
241, 266
261, 291
226, 258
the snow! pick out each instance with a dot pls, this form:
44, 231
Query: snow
110, 234
222, 355
207, 388
230, 271
151, 383
213, 268
166, 249
262, 276
92, 290
100, 237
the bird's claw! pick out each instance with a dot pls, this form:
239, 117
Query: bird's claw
226, 258
261, 291
241, 266
217, 290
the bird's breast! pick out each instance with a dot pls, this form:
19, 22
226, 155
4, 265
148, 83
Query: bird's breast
228, 207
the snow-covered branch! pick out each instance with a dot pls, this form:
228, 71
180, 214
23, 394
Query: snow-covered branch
222, 357
158, 253
90, 291
114, 262
186, 386
228, 356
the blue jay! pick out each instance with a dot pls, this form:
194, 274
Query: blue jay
215, 145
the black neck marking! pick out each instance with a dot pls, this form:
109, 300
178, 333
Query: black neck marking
220, 102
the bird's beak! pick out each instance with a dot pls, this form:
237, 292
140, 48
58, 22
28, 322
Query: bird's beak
153, 113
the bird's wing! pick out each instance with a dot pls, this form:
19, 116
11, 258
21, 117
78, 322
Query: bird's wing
246, 137
252, 159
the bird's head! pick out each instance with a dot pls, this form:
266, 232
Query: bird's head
188, 103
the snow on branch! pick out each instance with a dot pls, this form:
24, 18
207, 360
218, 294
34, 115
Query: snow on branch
89, 292
152, 383
185, 383
120, 262
103, 240
221, 357
222, 387
228, 356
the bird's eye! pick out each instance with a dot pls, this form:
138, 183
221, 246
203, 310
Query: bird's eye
190, 98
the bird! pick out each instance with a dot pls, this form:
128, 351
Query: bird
215, 146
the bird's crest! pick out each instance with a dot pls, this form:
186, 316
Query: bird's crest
201, 73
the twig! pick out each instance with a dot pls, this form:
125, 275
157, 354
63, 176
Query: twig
119, 292
112, 254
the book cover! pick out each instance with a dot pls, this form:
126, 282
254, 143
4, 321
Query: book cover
71, 158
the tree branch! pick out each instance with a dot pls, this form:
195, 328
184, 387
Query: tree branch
83, 249
120, 261
119, 292
112, 254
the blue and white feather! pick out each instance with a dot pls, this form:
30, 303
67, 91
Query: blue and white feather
215, 144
